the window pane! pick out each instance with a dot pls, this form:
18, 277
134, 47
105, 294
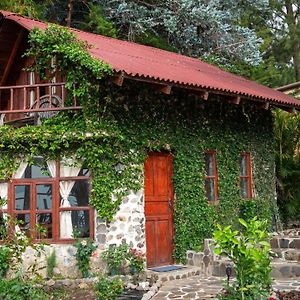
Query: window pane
44, 196
22, 197
209, 164
244, 187
80, 222
45, 222
84, 172
209, 188
79, 195
38, 170
243, 165
23, 222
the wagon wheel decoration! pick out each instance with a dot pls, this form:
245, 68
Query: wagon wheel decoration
47, 102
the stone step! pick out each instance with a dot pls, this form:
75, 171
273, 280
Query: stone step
287, 254
285, 242
285, 269
280, 269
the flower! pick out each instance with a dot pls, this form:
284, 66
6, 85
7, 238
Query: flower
83, 243
95, 254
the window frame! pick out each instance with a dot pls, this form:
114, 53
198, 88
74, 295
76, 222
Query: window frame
214, 177
56, 209
248, 175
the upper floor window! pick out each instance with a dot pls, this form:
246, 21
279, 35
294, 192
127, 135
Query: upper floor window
245, 175
53, 195
211, 176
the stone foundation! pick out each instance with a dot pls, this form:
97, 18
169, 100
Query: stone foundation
128, 226
65, 261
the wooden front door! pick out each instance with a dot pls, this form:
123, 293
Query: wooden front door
159, 198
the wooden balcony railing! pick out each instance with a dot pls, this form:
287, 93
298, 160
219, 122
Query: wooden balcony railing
39, 98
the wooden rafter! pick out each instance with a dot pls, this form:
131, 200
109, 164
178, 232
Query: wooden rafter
118, 79
166, 89
263, 105
291, 110
202, 94
12, 56
235, 100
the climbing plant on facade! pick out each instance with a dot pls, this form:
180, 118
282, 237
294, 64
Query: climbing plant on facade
121, 124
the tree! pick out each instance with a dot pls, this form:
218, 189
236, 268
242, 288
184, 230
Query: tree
24, 7
197, 28
287, 139
286, 33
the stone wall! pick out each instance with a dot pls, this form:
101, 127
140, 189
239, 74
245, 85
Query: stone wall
204, 259
128, 225
65, 261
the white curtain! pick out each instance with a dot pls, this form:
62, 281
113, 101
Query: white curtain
4, 193
52, 167
68, 168
20, 171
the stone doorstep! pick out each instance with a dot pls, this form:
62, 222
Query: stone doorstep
158, 278
186, 271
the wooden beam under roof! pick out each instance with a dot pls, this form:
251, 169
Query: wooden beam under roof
12, 56
166, 89
201, 94
235, 100
263, 105
290, 110
118, 79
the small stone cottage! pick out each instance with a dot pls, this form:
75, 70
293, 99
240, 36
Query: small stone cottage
206, 136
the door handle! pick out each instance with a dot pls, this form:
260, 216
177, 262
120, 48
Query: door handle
170, 203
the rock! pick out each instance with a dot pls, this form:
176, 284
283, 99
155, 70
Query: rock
50, 282
67, 282
82, 285
56, 271
144, 285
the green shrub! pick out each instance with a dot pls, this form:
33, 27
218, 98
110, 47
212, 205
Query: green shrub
51, 263
5, 257
108, 289
18, 289
116, 257
85, 248
249, 250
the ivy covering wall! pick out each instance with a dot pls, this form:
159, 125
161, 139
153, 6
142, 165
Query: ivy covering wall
187, 126
121, 124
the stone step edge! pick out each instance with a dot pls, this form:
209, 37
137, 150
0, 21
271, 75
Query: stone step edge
274, 261
168, 276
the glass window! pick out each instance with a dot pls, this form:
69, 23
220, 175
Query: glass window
46, 207
44, 222
80, 222
79, 195
22, 197
211, 176
245, 176
37, 170
43, 196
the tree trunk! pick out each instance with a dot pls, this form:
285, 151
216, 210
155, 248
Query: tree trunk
291, 18
69, 14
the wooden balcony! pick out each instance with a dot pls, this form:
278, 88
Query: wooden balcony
38, 100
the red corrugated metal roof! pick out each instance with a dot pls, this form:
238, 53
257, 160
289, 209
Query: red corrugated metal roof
154, 64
